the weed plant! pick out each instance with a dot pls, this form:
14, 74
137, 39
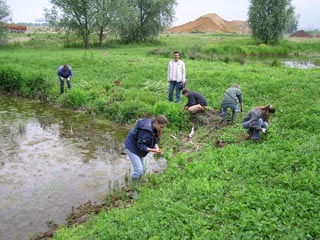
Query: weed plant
243, 190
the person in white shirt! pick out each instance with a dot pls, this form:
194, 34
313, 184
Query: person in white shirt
176, 76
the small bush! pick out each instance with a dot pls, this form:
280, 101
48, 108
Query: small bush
11, 79
178, 118
73, 99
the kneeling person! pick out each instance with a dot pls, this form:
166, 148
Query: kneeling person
196, 102
257, 119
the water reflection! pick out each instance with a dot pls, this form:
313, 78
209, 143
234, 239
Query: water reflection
51, 160
300, 64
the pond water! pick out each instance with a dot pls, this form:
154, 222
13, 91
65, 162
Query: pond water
52, 160
300, 64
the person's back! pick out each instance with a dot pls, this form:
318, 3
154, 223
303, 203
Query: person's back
232, 95
232, 98
196, 98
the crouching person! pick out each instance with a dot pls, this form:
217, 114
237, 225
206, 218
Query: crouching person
257, 120
141, 140
196, 102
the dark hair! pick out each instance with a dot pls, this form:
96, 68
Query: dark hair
176, 51
65, 67
185, 90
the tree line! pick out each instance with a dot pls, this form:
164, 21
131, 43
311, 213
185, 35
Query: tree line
131, 20
143, 20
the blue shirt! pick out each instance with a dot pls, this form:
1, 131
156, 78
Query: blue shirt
63, 73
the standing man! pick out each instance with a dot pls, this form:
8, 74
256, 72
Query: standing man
64, 74
196, 102
232, 98
176, 76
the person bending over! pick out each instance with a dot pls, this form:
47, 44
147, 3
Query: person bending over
196, 102
141, 140
64, 74
232, 98
257, 120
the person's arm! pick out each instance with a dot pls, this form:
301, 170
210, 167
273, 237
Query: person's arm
169, 72
145, 139
239, 95
70, 72
59, 72
183, 72
156, 149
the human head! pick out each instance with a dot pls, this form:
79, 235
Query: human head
159, 123
176, 55
268, 109
271, 109
185, 91
65, 67
235, 85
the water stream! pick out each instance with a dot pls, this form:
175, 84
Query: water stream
53, 159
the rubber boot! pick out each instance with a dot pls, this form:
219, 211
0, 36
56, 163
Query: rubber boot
250, 132
224, 119
135, 187
255, 135
234, 117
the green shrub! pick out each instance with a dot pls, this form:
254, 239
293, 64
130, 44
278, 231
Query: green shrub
178, 118
11, 78
73, 98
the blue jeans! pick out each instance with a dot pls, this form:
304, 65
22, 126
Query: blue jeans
62, 84
137, 162
255, 132
174, 85
233, 107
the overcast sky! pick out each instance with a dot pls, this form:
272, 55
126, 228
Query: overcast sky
187, 10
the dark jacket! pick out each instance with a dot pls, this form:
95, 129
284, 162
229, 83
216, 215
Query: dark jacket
253, 117
195, 98
141, 137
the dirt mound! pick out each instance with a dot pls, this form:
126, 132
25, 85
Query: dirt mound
212, 23
300, 33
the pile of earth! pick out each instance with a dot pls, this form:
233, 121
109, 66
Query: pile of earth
212, 23
300, 33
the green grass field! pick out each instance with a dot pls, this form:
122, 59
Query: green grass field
244, 190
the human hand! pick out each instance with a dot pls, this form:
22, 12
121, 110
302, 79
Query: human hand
158, 151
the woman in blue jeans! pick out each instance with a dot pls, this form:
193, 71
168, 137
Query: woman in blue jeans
141, 140
257, 120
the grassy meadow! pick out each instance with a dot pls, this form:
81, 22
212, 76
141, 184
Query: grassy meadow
243, 190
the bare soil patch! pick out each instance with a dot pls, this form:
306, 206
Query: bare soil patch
212, 23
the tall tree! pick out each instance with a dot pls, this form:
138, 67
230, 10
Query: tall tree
293, 24
144, 19
4, 18
106, 16
268, 19
73, 15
